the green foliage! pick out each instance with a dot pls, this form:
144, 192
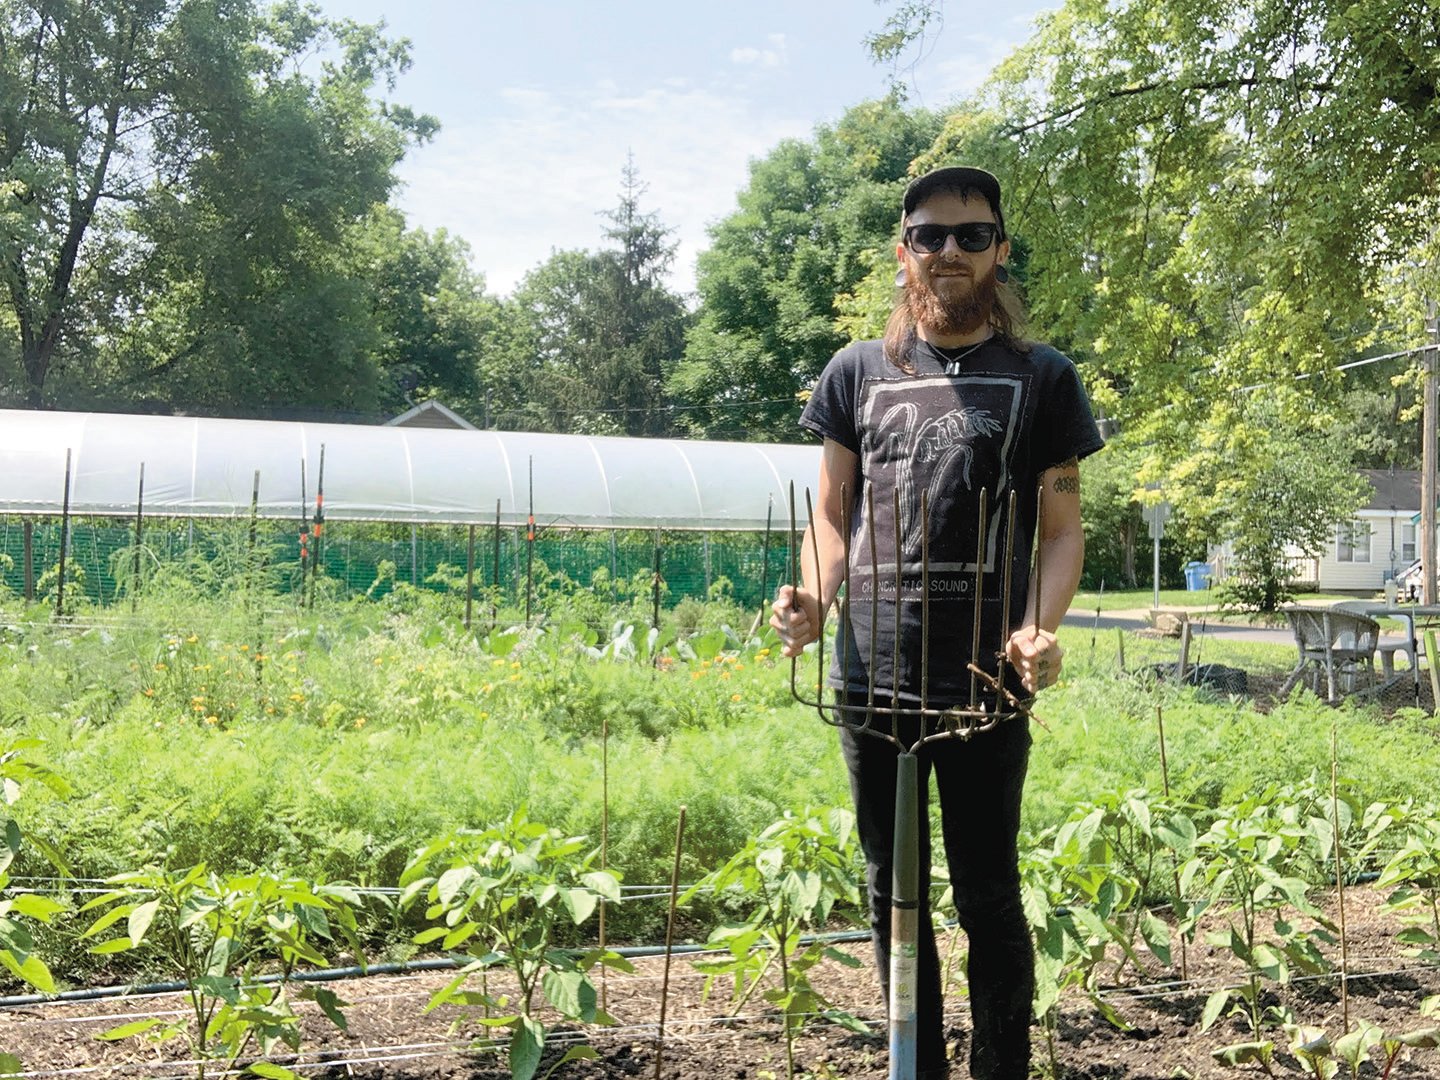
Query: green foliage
216, 933
501, 896
790, 877
807, 230
596, 334
181, 206
1246, 863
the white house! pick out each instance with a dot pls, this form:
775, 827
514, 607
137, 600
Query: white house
1378, 543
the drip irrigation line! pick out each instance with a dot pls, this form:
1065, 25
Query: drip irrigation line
419, 1051
98, 993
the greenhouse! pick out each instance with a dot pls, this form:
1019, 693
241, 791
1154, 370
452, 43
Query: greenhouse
203, 467
111, 474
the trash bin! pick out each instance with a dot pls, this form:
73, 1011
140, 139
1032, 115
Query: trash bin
1197, 576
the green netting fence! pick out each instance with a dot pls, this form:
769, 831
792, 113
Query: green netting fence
369, 557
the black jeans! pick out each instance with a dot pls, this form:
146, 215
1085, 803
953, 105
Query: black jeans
980, 783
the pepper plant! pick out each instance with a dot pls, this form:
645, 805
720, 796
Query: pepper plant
502, 896
1244, 865
217, 933
789, 877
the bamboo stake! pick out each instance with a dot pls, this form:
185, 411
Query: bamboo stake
530, 545
604, 843
669, 943
1165, 784
1339, 877
1434, 672
64, 537
139, 532
495, 580
470, 576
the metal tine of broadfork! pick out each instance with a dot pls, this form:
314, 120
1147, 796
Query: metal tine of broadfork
1039, 545
924, 609
874, 613
895, 641
979, 596
820, 639
1011, 511
842, 647
997, 682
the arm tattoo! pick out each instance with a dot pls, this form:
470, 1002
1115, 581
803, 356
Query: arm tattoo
1068, 482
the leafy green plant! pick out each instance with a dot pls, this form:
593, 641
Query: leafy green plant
1243, 863
790, 877
217, 933
502, 897
17, 946
1413, 876
1260, 1052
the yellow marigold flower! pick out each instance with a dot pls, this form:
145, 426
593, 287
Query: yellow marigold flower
697, 674
192, 639
724, 675
379, 660
762, 654
212, 719
512, 678
735, 697
161, 667
297, 697
497, 663
484, 716
149, 691
487, 688
419, 667
359, 722
244, 648
198, 707
739, 667
269, 710
196, 698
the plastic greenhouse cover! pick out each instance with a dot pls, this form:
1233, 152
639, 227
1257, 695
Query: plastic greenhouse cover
203, 467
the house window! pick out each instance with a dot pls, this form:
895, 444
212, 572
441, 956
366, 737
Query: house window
1352, 542
1407, 543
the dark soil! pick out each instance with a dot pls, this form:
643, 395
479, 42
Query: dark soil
390, 1038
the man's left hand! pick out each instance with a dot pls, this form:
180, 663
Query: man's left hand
1036, 655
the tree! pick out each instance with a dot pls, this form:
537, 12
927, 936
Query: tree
808, 228
434, 318
599, 333
1213, 199
1274, 487
167, 168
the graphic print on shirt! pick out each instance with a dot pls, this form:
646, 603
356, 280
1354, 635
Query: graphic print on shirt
948, 437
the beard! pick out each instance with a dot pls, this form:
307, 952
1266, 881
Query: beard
960, 305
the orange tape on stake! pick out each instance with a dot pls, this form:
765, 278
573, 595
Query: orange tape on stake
530, 534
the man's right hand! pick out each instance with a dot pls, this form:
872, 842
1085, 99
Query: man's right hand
796, 618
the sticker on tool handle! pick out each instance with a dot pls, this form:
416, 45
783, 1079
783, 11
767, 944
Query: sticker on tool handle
904, 973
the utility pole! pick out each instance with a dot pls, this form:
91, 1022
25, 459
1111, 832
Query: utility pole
1428, 461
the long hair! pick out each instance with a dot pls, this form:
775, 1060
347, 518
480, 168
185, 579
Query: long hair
1007, 319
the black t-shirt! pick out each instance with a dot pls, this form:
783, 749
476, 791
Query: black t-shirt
992, 420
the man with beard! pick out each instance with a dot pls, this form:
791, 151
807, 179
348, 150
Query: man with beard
952, 402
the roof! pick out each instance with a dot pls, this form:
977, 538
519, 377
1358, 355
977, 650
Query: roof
431, 414
206, 467
1395, 490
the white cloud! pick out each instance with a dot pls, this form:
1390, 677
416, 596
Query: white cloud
531, 174
750, 56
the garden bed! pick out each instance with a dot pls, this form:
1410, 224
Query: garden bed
389, 1038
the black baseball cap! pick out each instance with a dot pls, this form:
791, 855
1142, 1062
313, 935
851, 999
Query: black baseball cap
956, 178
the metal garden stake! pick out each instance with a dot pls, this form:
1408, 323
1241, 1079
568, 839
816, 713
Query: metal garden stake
965, 722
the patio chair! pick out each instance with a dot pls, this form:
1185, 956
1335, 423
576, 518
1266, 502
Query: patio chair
1388, 644
1339, 643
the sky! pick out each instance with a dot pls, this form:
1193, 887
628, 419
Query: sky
540, 104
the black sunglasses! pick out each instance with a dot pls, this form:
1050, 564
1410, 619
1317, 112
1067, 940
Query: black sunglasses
972, 236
